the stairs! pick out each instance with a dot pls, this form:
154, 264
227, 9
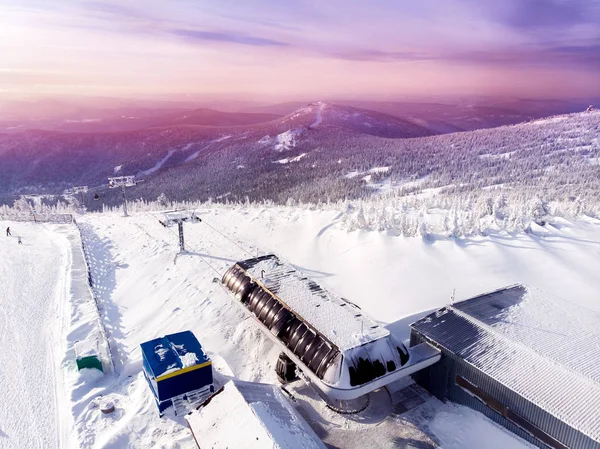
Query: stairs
184, 403
180, 405
196, 397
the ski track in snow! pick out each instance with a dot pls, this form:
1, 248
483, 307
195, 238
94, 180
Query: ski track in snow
34, 277
158, 165
319, 117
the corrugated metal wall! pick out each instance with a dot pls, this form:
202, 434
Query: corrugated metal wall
439, 379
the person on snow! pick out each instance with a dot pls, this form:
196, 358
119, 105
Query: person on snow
19, 239
8, 231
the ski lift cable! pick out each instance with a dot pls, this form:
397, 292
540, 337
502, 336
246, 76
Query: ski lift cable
203, 220
201, 257
231, 240
173, 231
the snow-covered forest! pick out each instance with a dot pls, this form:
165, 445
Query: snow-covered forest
555, 159
460, 184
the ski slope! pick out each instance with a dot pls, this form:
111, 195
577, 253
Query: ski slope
34, 278
144, 292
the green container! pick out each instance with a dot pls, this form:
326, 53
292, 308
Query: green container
91, 361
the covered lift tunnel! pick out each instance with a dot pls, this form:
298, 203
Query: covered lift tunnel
343, 352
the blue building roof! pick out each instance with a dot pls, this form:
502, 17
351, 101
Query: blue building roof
173, 352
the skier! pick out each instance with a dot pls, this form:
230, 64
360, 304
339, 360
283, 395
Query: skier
8, 231
19, 239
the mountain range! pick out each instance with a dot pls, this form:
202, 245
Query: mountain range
319, 151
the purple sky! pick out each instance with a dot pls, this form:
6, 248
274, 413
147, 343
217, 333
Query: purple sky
291, 49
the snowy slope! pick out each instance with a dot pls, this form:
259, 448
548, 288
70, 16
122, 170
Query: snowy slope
34, 278
144, 294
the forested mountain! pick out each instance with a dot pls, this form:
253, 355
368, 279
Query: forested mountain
320, 152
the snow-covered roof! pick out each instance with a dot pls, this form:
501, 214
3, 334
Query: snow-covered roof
252, 416
173, 352
331, 340
340, 321
541, 347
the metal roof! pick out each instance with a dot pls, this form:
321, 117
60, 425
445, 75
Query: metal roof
543, 348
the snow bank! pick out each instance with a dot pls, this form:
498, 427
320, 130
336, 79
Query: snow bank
90, 336
87, 347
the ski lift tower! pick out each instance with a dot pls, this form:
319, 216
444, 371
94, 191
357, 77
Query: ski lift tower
179, 217
122, 182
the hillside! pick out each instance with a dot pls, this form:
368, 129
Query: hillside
38, 159
320, 152
556, 157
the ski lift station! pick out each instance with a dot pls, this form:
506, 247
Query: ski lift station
251, 416
517, 355
523, 359
339, 349
177, 370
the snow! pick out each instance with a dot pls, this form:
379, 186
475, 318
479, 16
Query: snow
251, 415
319, 116
160, 352
142, 295
497, 156
460, 427
225, 422
291, 159
194, 155
380, 169
189, 359
286, 140
372, 171
158, 165
187, 146
35, 278
86, 348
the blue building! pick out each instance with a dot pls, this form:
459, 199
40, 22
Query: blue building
178, 371
527, 360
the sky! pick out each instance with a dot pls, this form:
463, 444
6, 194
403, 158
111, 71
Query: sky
284, 49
